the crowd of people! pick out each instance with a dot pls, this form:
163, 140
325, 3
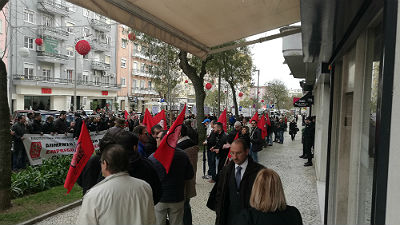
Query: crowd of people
124, 183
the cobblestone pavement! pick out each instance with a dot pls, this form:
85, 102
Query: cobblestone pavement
298, 181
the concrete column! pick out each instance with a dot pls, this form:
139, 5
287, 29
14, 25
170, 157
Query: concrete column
19, 102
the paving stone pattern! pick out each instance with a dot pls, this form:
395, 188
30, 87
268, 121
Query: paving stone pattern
298, 181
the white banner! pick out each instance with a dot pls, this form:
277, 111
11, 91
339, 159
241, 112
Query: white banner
39, 147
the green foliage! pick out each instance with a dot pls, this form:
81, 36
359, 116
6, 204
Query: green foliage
278, 93
212, 99
34, 179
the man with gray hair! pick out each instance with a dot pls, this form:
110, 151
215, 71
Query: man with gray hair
119, 198
235, 132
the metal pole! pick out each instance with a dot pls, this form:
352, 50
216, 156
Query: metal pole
75, 77
258, 86
219, 92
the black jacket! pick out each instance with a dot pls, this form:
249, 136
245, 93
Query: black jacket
290, 216
232, 135
48, 128
150, 146
90, 174
60, 126
222, 194
173, 183
185, 144
20, 130
256, 139
36, 127
293, 128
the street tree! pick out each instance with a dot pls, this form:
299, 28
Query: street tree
277, 92
5, 136
212, 99
235, 67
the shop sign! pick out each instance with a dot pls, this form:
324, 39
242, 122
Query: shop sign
104, 92
46, 90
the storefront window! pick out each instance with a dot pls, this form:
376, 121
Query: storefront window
37, 102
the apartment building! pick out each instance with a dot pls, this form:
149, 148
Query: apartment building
134, 73
47, 76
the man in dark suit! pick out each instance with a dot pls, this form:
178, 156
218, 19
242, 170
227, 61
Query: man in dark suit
235, 183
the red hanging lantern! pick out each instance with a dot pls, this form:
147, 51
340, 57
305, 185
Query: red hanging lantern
262, 100
131, 36
186, 81
83, 47
240, 94
39, 41
208, 86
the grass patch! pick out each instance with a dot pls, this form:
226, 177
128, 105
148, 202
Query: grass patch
30, 206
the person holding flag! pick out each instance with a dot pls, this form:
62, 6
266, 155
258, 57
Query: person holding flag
174, 168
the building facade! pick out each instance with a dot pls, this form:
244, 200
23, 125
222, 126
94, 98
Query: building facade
48, 75
134, 73
348, 54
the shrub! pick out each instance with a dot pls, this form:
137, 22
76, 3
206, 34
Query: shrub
38, 178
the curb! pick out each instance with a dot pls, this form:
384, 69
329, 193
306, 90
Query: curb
51, 213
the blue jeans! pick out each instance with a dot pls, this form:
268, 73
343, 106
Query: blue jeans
212, 165
19, 157
254, 155
269, 138
281, 136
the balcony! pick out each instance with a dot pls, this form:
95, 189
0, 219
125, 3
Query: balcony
60, 82
100, 25
143, 91
52, 57
100, 46
141, 73
50, 6
54, 32
97, 65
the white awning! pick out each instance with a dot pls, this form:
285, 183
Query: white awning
197, 26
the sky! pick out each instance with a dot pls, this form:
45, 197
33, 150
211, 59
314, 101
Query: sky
268, 58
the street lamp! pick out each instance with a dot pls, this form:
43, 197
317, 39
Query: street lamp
258, 86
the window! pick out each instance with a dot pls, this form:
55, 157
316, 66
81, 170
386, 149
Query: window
135, 65
124, 42
142, 67
86, 13
47, 20
86, 31
69, 76
97, 80
149, 84
85, 77
29, 16
123, 63
135, 48
46, 73
142, 84
107, 59
70, 51
133, 84
106, 80
108, 40
70, 27
123, 81
71, 7
28, 42
29, 71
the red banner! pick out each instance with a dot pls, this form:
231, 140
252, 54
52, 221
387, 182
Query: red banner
83, 152
222, 119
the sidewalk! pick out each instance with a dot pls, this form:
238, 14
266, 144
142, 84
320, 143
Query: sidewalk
298, 181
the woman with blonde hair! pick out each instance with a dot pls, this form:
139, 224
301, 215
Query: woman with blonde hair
268, 203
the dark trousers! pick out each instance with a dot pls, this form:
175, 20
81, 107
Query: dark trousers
187, 213
18, 157
292, 135
307, 152
212, 164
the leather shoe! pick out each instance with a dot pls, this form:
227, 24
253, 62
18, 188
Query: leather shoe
308, 164
302, 156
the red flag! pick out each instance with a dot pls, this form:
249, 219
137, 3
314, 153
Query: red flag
236, 137
83, 151
255, 117
126, 115
261, 124
160, 116
165, 152
147, 121
222, 119
268, 121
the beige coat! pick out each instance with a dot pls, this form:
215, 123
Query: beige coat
118, 199
190, 185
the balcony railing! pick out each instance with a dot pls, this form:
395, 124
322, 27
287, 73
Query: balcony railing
100, 46
141, 73
97, 65
100, 25
50, 6
50, 54
63, 81
143, 91
54, 32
